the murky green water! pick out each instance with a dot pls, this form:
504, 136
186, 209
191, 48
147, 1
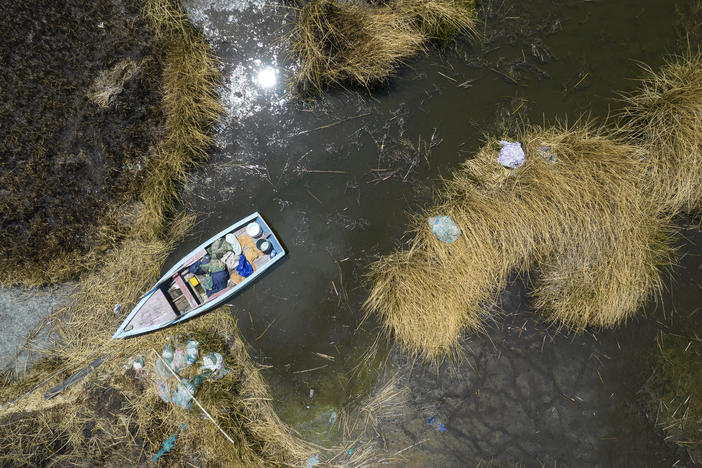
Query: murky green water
337, 179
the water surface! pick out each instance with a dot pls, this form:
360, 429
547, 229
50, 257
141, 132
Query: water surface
337, 179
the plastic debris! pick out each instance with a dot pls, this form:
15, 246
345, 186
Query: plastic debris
213, 366
164, 391
167, 353
350, 452
184, 356
117, 308
166, 446
545, 152
511, 154
312, 461
169, 443
138, 363
138, 366
332, 417
436, 424
191, 351
180, 391
445, 229
183, 394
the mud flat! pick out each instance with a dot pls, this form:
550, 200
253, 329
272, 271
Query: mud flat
21, 312
80, 111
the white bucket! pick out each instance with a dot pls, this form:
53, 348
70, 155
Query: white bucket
254, 230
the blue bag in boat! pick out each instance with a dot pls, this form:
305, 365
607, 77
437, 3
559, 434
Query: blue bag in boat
244, 268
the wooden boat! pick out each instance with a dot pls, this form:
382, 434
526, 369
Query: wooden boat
178, 295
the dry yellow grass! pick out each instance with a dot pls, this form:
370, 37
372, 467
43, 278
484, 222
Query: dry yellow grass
570, 217
345, 44
664, 116
190, 104
127, 421
603, 291
111, 82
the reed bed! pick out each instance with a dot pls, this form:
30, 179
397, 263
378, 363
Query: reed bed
582, 221
190, 79
338, 43
664, 116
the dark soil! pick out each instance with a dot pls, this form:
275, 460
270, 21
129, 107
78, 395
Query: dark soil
64, 160
98, 417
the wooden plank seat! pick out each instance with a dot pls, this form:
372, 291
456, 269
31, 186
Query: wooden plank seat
185, 290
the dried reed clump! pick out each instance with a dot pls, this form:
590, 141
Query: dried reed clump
190, 80
341, 43
664, 116
111, 82
570, 215
439, 20
344, 43
579, 292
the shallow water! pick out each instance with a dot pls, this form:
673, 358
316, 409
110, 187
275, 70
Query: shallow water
336, 181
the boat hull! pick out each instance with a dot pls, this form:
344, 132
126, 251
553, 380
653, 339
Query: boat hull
152, 303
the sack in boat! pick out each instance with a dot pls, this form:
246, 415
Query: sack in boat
248, 247
219, 248
213, 266
207, 282
244, 268
236, 278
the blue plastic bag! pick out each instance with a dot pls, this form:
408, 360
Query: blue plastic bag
445, 229
244, 268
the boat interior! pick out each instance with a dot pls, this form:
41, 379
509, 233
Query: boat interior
184, 291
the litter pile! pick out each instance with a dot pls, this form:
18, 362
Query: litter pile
173, 361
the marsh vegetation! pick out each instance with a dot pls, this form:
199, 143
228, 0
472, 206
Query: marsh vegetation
589, 213
351, 44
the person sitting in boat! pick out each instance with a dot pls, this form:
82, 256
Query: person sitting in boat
216, 275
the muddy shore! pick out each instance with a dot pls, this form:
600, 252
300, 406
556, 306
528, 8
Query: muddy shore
80, 111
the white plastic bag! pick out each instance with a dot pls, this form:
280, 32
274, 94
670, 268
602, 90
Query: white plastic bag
511, 154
